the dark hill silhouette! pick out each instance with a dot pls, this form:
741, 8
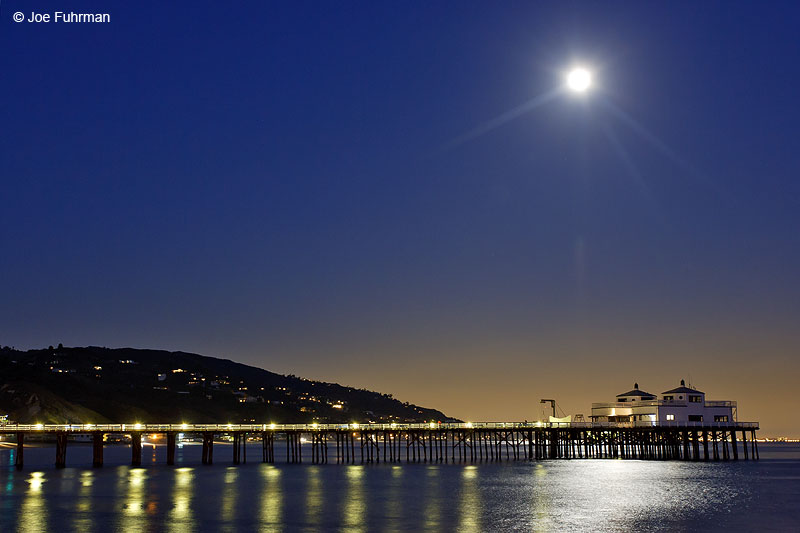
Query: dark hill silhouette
96, 385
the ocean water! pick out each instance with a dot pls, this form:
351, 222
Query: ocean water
564, 495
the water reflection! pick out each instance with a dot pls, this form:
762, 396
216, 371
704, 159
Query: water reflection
355, 509
540, 508
83, 507
7, 504
470, 505
135, 484
33, 511
314, 496
229, 494
180, 515
612, 496
272, 500
619, 501
432, 516
394, 509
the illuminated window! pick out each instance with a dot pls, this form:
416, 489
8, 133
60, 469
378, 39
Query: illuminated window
721, 418
695, 399
670, 417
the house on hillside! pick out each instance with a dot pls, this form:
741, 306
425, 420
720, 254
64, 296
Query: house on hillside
678, 406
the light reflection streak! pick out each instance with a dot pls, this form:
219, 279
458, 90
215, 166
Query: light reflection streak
132, 514
469, 516
230, 494
7, 504
432, 502
32, 514
540, 508
272, 500
83, 516
314, 496
181, 518
355, 509
394, 516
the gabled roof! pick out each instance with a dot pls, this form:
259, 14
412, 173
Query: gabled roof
683, 388
636, 392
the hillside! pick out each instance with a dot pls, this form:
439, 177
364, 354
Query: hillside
95, 385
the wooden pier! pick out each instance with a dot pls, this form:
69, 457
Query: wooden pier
430, 443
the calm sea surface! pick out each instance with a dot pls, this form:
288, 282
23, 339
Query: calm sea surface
574, 495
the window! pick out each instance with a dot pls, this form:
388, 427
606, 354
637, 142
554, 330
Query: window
667, 398
695, 418
695, 399
720, 418
670, 417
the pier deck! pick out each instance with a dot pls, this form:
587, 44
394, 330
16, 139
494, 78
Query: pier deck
467, 442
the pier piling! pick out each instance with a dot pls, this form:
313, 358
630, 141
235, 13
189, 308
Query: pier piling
18, 459
61, 450
136, 449
97, 449
171, 447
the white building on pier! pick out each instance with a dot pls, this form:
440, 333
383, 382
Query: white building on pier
680, 405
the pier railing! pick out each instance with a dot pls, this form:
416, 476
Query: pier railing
720, 403
661, 403
356, 427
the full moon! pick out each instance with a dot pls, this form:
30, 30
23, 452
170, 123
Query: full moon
579, 80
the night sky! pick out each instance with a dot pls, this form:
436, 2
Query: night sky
338, 190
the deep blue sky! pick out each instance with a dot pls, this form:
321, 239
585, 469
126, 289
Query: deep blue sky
275, 184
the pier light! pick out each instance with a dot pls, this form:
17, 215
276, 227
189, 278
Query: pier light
433, 425
315, 425
393, 425
272, 426
354, 425
88, 426
469, 424
39, 427
184, 426
230, 426
137, 425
